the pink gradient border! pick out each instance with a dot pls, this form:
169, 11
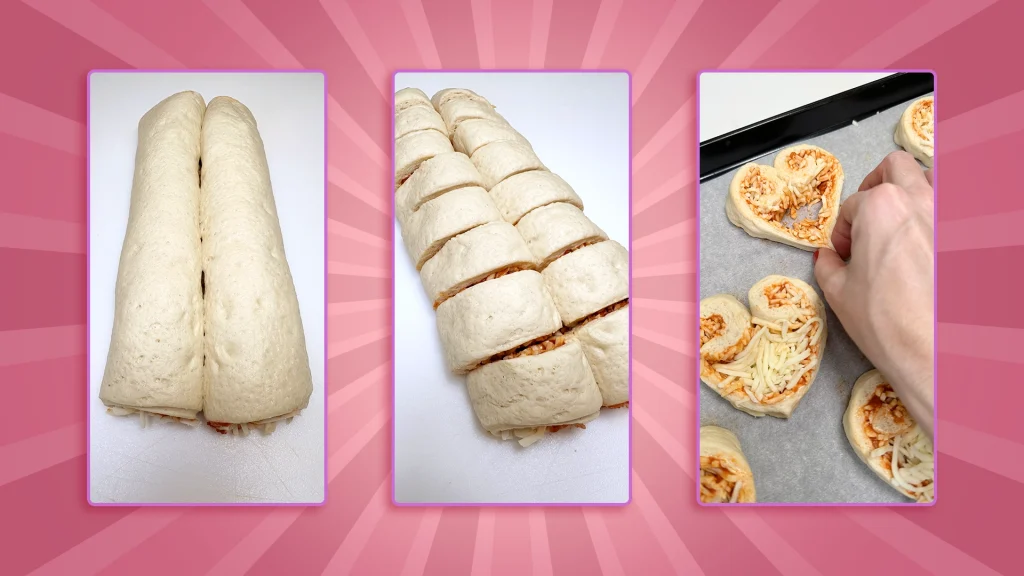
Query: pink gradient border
88, 276
629, 87
935, 305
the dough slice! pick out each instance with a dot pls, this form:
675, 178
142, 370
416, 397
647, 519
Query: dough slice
785, 330
527, 394
725, 475
494, 317
764, 200
521, 193
483, 253
418, 118
257, 369
588, 280
155, 359
552, 231
408, 97
499, 160
447, 95
915, 132
427, 229
877, 426
438, 175
471, 135
605, 341
412, 149
455, 112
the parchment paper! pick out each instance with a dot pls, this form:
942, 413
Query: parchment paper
806, 458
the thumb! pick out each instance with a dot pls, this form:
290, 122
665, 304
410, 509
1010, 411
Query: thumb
830, 272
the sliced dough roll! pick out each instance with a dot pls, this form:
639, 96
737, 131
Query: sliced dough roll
483, 253
257, 368
915, 132
408, 97
605, 341
589, 279
764, 362
725, 475
447, 95
418, 118
495, 317
553, 230
455, 112
155, 359
442, 173
427, 229
553, 388
499, 160
412, 149
882, 432
471, 135
521, 193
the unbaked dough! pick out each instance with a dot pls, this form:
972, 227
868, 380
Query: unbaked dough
915, 132
763, 199
155, 359
877, 424
763, 361
725, 475
257, 368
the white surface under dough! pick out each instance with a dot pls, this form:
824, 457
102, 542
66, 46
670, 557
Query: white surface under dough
174, 463
732, 100
579, 126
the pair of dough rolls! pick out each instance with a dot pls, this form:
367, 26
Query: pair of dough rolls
725, 474
886, 438
497, 320
206, 315
764, 199
765, 359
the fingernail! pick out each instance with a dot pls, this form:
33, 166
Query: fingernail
815, 256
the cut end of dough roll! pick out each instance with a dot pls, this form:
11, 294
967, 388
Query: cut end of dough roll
725, 474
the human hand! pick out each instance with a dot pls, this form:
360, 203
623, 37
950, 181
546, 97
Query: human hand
884, 294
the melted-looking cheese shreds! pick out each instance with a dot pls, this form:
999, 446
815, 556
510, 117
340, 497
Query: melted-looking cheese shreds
775, 360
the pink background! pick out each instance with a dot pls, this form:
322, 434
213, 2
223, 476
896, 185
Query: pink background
47, 48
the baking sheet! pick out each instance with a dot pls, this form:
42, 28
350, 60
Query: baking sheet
806, 458
442, 455
168, 462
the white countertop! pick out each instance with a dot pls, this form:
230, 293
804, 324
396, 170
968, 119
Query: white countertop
732, 100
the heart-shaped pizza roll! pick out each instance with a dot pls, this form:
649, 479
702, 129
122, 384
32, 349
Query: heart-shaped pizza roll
483, 253
499, 160
556, 229
434, 177
765, 200
416, 147
455, 112
535, 390
588, 280
915, 132
519, 194
408, 97
418, 118
763, 361
605, 341
886, 438
426, 229
495, 317
447, 95
474, 134
725, 475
